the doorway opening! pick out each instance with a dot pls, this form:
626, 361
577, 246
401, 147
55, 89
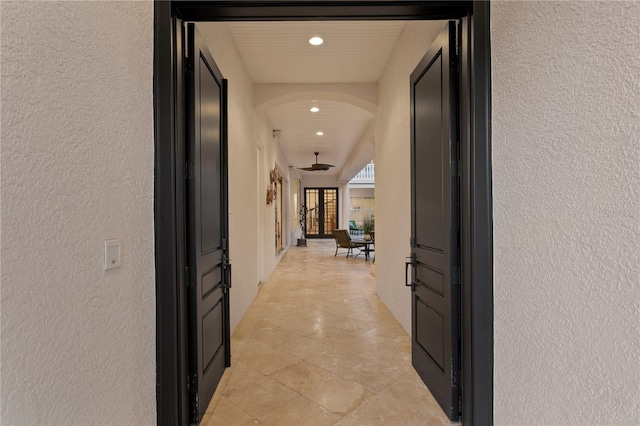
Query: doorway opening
322, 212
475, 186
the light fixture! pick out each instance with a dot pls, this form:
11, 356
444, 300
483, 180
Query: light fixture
314, 109
320, 133
316, 41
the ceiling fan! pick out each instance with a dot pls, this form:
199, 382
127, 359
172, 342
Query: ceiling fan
315, 167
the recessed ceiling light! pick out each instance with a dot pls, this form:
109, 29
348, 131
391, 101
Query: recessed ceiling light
320, 133
314, 109
316, 41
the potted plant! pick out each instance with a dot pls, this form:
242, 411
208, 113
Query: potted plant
368, 227
302, 242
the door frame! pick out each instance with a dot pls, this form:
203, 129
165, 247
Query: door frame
476, 193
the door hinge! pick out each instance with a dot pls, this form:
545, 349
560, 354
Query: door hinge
412, 242
191, 276
192, 385
455, 378
224, 244
192, 382
189, 170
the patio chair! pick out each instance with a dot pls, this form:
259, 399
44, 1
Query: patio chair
343, 240
355, 228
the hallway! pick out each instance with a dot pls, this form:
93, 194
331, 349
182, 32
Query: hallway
317, 347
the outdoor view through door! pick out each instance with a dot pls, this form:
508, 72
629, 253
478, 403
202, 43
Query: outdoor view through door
209, 271
322, 212
434, 222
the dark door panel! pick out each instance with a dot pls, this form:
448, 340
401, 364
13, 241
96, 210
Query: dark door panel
434, 211
209, 276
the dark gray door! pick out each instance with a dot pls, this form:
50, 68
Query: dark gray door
209, 271
434, 221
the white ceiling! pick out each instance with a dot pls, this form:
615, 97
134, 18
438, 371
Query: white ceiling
279, 52
352, 52
341, 123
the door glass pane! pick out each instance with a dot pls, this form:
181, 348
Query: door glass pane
330, 210
312, 201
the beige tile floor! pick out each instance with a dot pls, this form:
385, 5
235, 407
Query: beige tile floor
318, 347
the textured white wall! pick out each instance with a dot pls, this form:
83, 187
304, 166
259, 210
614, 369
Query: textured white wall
78, 343
566, 132
246, 126
274, 157
392, 153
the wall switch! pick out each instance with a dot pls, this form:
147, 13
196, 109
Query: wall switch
112, 254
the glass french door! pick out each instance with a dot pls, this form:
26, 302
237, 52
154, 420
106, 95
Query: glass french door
322, 212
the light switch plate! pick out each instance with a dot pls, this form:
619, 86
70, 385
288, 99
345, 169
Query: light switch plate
112, 254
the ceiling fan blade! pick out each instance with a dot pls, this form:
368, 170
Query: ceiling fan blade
317, 166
